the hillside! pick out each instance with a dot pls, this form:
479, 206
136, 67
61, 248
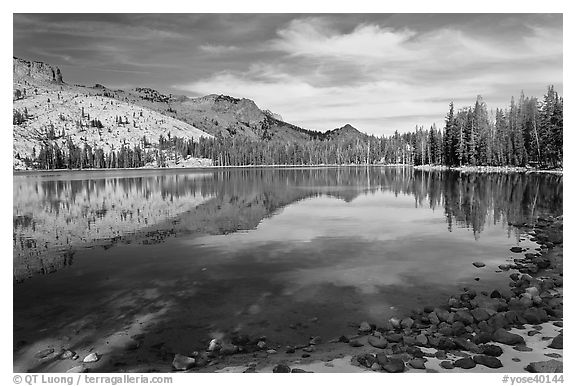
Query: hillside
47, 110
58, 125
218, 115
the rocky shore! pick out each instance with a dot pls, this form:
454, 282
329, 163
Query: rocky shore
470, 331
496, 330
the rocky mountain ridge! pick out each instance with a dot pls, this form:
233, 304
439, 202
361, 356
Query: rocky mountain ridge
48, 111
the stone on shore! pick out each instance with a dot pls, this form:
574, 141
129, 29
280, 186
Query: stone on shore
491, 350
281, 368
393, 365
508, 338
488, 361
378, 342
417, 363
448, 365
551, 366
557, 342
182, 362
465, 363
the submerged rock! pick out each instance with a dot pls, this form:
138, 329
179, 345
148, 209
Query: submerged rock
182, 362
44, 353
365, 327
92, 357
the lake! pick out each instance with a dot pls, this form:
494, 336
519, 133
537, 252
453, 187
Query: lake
182, 256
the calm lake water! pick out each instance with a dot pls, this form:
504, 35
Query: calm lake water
287, 253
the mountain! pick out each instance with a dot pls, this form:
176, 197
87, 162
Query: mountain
56, 119
47, 110
344, 133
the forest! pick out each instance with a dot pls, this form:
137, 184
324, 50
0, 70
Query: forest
526, 133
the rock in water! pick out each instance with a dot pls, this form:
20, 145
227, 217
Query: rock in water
214, 345
516, 249
92, 357
182, 362
407, 323
76, 369
505, 337
378, 342
478, 264
67, 354
44, 353
557, 342
488, 361
364, 327
300, 371
465, 363
281, 368
551, 366
394, 365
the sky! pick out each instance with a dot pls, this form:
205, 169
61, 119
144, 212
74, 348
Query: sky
377, 72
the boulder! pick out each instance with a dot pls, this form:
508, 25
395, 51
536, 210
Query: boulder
464, 316
281, 368
557, 342
465, 363
551, 366
480, 314
417, 363
182, 362
394, 365
378, 342
92, 357
407, 323
364, 328
508, 338
491, 350
488, 361
448, 365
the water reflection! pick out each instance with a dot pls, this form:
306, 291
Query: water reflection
54, 215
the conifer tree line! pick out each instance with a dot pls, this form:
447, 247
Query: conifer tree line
526, 133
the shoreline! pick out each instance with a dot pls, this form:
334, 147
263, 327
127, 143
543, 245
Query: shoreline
462, 169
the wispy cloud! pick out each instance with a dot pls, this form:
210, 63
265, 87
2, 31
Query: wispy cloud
377, 72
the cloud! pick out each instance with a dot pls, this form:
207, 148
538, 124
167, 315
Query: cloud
217, 49
381, 78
